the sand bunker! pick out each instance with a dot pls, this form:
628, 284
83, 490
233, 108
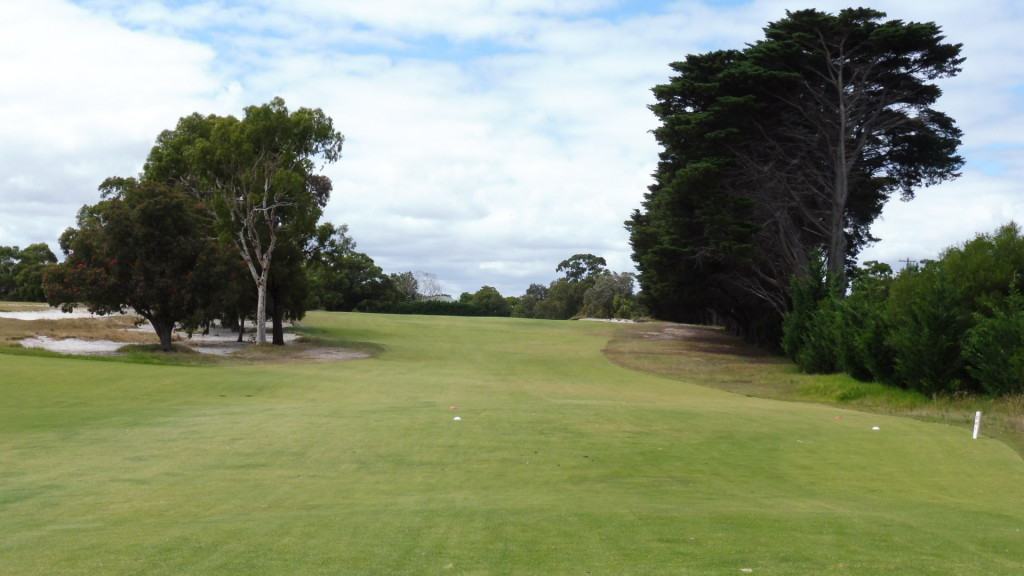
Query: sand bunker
74, 346
223, 342
218, 341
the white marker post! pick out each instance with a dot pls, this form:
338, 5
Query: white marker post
977, 423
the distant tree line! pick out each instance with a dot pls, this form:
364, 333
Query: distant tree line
21, 272
344, 280
586, 290
950, 325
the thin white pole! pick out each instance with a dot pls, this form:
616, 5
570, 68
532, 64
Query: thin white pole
977, 423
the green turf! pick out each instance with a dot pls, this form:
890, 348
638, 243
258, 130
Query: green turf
563, 463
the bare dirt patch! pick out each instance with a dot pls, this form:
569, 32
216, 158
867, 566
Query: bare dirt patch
694, 338
707, 355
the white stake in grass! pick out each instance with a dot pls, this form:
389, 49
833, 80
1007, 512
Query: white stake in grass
977, 423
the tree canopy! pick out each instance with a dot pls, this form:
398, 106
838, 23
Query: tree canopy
21, 272
141, 247
587, 289
343, 279
581, 267
256, 177
785, 148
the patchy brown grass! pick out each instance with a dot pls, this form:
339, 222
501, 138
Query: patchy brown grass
117, 328
22, 306
705, 355
712, 357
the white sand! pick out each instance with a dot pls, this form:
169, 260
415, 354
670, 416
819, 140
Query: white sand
73, 345
219, 341
51, 314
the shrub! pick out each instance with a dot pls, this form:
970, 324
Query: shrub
952, 325
927, 327
864, 353
993, 349
810, 332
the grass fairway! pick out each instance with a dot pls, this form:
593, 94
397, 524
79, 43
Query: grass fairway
563, 463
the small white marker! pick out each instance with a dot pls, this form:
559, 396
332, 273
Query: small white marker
977, 423
875, 428
457, 418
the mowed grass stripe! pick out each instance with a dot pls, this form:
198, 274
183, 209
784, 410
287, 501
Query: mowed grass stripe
563, 463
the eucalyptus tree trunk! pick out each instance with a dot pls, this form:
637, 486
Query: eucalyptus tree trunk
261, 308
260, 272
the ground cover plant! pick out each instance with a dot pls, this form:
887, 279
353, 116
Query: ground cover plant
563, 462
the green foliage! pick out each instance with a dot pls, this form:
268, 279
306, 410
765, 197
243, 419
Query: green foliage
985, 267
927, 328
581, 267
611, 296
430, 308
993, 348
526, 305
587, 290
963, 297
28, 274
342, 279
627, 308
563, 300
787, 147
810, 332
565, 296
257, 178
952, 325
235, 300
9, 256
406, 285
143, 248
288, 288
864, 352
21, 272
826, 332
486, 301
490, 302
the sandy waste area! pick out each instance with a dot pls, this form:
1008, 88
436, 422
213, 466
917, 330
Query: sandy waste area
218, 341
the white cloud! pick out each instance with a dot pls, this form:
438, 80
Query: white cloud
82, 99
486, 141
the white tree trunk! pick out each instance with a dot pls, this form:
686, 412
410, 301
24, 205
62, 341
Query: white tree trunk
261, 308
261, 292
260, 276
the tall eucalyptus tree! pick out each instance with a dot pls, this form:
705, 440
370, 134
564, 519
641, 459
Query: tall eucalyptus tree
256, 177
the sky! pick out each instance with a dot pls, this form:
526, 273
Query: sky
485, 140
